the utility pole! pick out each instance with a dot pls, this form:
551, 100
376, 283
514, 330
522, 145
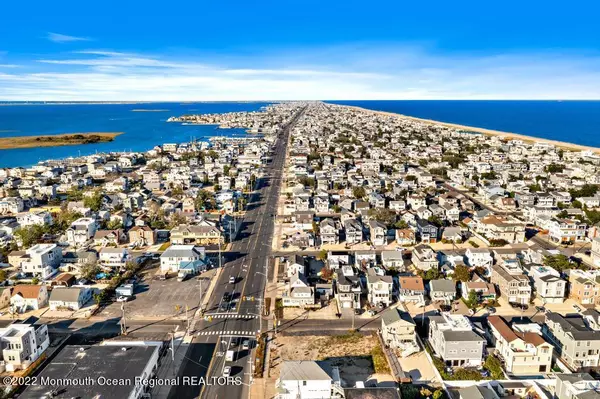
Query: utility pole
123, 326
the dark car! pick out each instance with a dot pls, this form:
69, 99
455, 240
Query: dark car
226, 296
358, 311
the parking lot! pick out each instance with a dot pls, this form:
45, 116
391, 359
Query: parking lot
156, 299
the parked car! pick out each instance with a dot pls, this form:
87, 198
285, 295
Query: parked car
577, 308
226, 371
123, 298
372, 312
232, 279
246, 345
358, 311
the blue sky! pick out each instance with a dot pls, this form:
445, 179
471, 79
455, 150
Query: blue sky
244, 50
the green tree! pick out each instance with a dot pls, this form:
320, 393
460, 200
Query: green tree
561, 263
114, 224
383, 215
35, 281
89, 270
462, 273
472, 300
3, 275
439, 394
205, 201
94, 201
493, 365
358, 192
401, 224
30, 235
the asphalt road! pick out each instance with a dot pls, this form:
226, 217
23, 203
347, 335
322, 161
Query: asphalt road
238, 319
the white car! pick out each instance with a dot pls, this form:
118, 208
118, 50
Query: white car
226, 371
246, 345
122, 298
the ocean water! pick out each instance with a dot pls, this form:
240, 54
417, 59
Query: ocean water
142, 130
570, 121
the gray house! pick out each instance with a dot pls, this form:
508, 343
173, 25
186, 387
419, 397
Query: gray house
71, 298
442, 290
574, 339
454, 341
354, 231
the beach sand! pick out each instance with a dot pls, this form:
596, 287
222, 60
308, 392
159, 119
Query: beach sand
490, 132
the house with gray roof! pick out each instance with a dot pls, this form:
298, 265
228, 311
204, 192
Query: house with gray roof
442, 290
575, 338
398, 331
452, 338
308, 379
71, 298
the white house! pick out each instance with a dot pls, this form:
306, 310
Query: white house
81, 231
28, 297
172, 258
550, 288
307, 380
480, 257
22, 343
71, 298
114, 257
42, 260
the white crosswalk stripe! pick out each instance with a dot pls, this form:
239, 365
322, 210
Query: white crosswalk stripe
231, 316
227, 333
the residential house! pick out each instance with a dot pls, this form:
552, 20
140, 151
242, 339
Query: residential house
452, 338
298, 293
71, 298
22, 343
378, 232
41, 260
512, 283
177, 255
28, 297
392, 259
405, 237
523, 353
81, 231
480, 258
442, 290
354, 231
428, 232
142, 236
398, 331
584, 287
424, 258
296, 265
485, 291
114, 257
576, 386
411, 289
379, 288
329, 232
566, 231
549, 286
576, 341
203, 234
307, 379
348, 288
109, 237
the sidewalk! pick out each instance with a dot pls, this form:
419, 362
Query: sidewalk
206, 297
170, 364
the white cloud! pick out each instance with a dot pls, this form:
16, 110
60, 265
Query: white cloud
60, 38
344, 73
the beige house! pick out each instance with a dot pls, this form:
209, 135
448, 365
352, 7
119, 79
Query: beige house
522, 352
513, 284
398, 331
142, 235
204, 234
28, 297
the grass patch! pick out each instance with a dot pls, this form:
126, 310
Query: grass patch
380, 363
165, 246
351, 337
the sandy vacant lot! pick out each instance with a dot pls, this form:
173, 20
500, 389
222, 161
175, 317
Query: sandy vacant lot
352, 354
